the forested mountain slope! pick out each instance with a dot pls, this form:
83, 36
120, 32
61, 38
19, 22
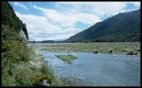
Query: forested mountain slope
119, 28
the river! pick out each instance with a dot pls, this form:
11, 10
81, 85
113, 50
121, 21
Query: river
98, 69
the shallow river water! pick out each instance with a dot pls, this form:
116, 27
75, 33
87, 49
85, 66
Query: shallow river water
98, 69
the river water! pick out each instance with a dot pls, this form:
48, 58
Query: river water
98, 69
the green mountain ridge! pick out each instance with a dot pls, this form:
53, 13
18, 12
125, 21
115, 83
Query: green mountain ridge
123, 27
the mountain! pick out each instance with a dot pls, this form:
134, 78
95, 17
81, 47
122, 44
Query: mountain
43, 41
123, 27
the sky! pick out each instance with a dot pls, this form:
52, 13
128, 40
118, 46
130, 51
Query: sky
61, 20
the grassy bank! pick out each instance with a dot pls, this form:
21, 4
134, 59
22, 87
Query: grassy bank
45, 75
25, 69
67, 58
102, 47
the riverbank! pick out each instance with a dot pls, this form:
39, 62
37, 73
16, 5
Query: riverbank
46, 75
33, 72
128, 48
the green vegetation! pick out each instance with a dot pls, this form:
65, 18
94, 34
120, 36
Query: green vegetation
67, 58
15, 53
30, 70
123, 27
103, 47
21, 65
10, 19
46, 73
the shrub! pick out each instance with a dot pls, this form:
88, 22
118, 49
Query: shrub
95, 51
110, 51
130, 53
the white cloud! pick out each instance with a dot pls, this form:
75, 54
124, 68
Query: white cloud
60, 23
98, 8
40, 28
20, 5
127, 10
68, 18
137, 4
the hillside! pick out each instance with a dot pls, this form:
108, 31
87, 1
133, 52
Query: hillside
22, 65
14, 44
123, 27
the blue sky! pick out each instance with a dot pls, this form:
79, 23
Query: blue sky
61, 20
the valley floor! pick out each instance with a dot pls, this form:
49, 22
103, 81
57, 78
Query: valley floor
90, 68
129, 48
